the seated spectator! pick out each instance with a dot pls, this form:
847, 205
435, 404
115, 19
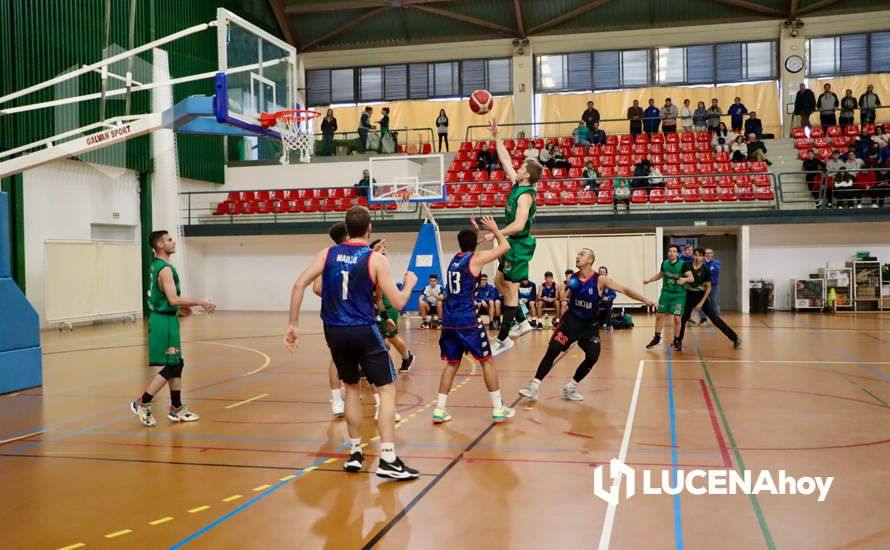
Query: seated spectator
700, 118
597, 135
546, 157
722, 138
669, 115
873, 158
581, 134
364, 184
641, 175
607, 298
880, 137
754, 125
635, 115
532, 153
590, 175
814, 164
835, 164
483, 159
488, 302
739, 149
548, 299
862, 144
651, 118
528, 295
737, 112
848, 109
431, 300
655, 177
714, 114
757, 150
846, 154
843, 188
621, 194
559, 158
686, 116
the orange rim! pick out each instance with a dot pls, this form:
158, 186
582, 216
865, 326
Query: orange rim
290, 115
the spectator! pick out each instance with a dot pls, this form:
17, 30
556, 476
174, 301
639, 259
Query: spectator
843, 188
848, 108
862, 144
867, 104
754, 125
722, 138
713, 265
714, 114
607, 298
387, 138
590, 115
834, 164
364, 184
687, 256
804, 104
532, 152
487, 301
431, 300
651, 118
669, 117
442, 129
546, 157
827, 104
621, 194
686, 116
483, 159
814, 181
364, 126
700, 118
597, 135
590, 174
655, 177
737, 112
880, 137
846, 154
328, 128
528, 295
581, 134
757, 150
547, 298
635, 115
641, 175
559, 158
739, 149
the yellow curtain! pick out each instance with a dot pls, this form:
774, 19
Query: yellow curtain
858, 83
762, 97
422, 114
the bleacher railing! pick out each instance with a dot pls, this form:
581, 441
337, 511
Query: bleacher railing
821, 187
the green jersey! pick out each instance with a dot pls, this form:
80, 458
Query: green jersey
512, 203
672, 272
157, 300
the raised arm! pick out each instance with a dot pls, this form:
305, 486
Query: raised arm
383, 275
165, 277
653, 278
296, 297
629, 292
503, 154
481, 258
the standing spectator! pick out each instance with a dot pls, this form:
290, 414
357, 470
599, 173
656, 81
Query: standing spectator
722, 138
328, 127
737, 112
364, 126
581, 134
597, 136
714, 114
739, 149
754, 125
590, 174
714, 267
867, 104
804, 104
387, 139
635, 115
361, 188
757, 150
590, 115
607, 298
815, 182
651, 118
700, 118
848, 108
687, 254
442, 129
686, 116
669, 117
828, 104
621, 194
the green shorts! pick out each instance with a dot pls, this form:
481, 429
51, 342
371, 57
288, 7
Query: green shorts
384, 327
672, 303
514, 264
163, 334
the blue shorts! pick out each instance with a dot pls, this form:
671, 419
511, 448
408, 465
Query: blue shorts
453, 342
357, 350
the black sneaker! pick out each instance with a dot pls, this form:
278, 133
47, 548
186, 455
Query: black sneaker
737, 343
354, 462
654, 342
677, 345
407, 362
396, 470
424, 325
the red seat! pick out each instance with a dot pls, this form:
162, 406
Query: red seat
573, 185
672, 158
225, 207
240, 207
641, 149
672, 147
656, 138
709, 194
687, 137
672, 138
689, 183
821, 141
587, 198
486, 200
279, 207
626, 138
623, 160
674, 195
760, 179
656, 196
497, 175
500, 200
702, 147
605, 196
262, 195
671, 170
673, 183
509, 143
233, 196
723, 167
451, 177
746, 193
703, 136
319, 194
688, 169
726, 194
611, 140
758, 166
705, 167
851, 130
692, 195
522, 143
802, 143
465, 146
764, 193
625, 148
687, 147
480, 175
552, 198
474, 189
707, 181
471, 201
462, 156
464, 176
817, 132
293, 206
554, 186
276, 195
264, 207
739, 167
558, 173
725, 181
839, 142
865, 180
579, 151
798, 133
721, 156
833, 131
656, 148
639, 196
570, 198
248, 196
626, 170
641, 138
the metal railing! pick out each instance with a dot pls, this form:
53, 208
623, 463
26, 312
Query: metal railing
827, 194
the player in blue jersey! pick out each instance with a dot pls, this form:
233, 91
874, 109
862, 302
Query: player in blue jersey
350, 273
547, 298
462, 327
579, 324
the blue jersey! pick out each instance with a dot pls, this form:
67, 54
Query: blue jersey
528, 293
585, 299
548, 292
459, 310
486, 293
347, 291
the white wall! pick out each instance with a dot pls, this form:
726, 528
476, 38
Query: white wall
783, 252
61, 201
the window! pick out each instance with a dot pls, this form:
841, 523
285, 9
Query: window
671, 63
418, 82
880, 52
319, 84
500, 76
443, 79
578, 71
551, 72
370, 83
395, 82
635, 68
700, 64
473, 76
759, 61
848, 54
342, 86
606, 70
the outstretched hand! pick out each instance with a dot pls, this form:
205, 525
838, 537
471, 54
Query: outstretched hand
494, 127
489, 224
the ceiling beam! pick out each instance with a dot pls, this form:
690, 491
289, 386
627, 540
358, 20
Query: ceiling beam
752, 6
283, 21
465, 19
792, 9
343, 28
520, 24
341, 5
817, 6
566, 16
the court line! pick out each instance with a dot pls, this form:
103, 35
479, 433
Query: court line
266, 359
864, 540
24, 436
678, 511
254, 398
609, 519
721, 444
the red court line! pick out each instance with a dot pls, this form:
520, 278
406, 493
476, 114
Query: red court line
724, 451
574, 434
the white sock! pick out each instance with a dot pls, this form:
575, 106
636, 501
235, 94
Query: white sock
337, 395
440, 404
496, 399
356, 444
376, 400
535, 382
427, 318
388, 452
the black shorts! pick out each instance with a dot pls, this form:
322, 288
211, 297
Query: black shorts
360, 350
571, 329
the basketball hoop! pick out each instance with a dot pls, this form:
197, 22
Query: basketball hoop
293, 136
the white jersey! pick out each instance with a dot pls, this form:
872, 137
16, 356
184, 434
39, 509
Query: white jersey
432, 294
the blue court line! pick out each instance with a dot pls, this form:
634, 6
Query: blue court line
678, 519
843, 354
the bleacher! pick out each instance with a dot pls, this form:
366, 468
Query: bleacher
826, 140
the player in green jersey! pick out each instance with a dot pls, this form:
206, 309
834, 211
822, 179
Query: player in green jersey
164, 348
673, 294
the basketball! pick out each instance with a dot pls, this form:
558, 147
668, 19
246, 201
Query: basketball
481, 102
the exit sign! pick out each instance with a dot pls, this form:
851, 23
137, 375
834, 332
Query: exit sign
700, 223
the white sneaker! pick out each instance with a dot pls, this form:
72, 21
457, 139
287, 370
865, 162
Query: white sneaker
338, 408
377, 410
521, 329
530, 391
571, 394
498, 346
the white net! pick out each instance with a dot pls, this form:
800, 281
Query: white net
295, 136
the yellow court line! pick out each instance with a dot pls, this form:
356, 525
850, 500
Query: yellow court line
261, 487
26, 436
286, 478
73, 546
160, 521
118, 533
266, 359
328, 461
231, 498
254, 398
199, 509
309, 469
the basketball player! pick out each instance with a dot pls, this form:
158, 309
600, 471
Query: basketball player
164, 347
462, 328
338, 407
547, 299
351, 272
519, 215
697, 292
673, 295
579, 324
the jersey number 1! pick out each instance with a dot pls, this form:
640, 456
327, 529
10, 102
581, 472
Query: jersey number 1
345, 285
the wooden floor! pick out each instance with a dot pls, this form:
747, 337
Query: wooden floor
262, 469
